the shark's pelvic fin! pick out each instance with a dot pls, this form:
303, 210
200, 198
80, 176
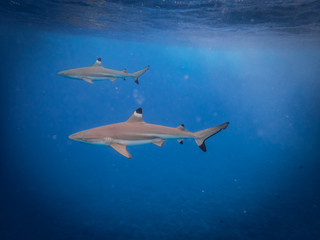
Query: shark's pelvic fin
87, 80
111, 79
136, 116
97, 63
122, 149
159, 142
180, 141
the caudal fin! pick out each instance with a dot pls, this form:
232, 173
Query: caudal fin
136, 75
202, 136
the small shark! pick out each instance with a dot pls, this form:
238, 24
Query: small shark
135, 131
98, 72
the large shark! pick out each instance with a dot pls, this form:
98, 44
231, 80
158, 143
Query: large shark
135, 131
98, 72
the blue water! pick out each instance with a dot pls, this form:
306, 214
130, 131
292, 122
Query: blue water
256, 65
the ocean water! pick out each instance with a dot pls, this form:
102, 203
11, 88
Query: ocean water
255, 64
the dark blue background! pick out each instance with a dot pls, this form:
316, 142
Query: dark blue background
259, 178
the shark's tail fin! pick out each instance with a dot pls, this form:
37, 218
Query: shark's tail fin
203, 135
136, 75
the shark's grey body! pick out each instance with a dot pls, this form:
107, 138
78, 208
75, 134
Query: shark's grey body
98, 72
136, 132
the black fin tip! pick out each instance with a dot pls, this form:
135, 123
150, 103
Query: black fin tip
203, 147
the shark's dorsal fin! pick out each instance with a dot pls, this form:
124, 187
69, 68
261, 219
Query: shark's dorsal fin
122, 149
136, 116
181, 127
97, 63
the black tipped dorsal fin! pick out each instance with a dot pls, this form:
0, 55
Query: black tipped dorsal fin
181, 127
136, 116
97, 63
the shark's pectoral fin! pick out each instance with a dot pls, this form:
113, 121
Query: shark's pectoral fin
159, 142
112, 79
87, 80
122, 149
180, 141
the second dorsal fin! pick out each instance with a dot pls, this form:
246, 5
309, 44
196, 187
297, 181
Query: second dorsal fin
97, 63
136, 116
181, 127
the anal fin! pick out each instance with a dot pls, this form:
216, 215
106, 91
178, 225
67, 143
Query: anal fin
159, 142
122, 149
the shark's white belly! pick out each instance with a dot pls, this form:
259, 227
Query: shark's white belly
103, 77
94, 77
98, 77
134, 142
155, 138
167, 136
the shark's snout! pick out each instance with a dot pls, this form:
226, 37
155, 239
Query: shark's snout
75, 136
62, 73
71, 136
84, 137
